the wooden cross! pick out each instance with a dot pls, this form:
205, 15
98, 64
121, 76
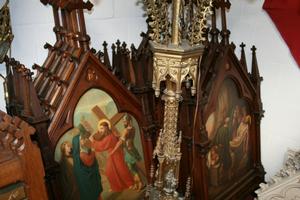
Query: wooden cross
113, 121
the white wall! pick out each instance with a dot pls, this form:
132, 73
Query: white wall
123, 19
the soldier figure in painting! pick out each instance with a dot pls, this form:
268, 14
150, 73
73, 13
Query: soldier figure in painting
132, 155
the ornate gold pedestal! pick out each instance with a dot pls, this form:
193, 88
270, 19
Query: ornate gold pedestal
175, 65
176, 30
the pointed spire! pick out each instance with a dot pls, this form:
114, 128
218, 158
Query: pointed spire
255, 76
214, 31
57, 27
117, 60
106, 57
254, 70
113, 49
133, 51
256, 79
118, 43
243, 57
124, 47
224, 4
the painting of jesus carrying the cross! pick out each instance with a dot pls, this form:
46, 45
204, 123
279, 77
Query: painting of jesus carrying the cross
110, 141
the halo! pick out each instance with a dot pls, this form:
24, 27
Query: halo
104, 120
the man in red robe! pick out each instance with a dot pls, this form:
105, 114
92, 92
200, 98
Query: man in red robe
116, 169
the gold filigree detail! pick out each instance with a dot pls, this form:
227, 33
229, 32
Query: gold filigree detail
177, 69
158, 15
6, 35
198, 24
188, 20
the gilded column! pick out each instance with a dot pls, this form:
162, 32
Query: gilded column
175, 22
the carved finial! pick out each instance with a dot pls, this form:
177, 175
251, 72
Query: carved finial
105, 45
48, 46
132, 47
113, 48
118, 43
124, 46
133, 51
253, 48
38, 68
28, 74
70, 6
93, 51
243, 57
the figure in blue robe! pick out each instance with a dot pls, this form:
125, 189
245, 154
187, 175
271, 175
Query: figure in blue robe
87, 176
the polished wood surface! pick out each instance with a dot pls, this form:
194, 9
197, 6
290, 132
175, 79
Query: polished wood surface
20, 158
71, 68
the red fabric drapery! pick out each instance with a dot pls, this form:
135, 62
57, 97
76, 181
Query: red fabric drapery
286, 16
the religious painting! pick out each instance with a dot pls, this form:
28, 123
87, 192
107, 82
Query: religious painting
13, 192
102, 156
228, 127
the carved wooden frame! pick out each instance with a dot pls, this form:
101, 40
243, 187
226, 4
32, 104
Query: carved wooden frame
20, 158
227, 66
92, 74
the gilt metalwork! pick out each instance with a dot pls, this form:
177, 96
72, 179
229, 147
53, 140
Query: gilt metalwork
6, 35
187, 21
176, 32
